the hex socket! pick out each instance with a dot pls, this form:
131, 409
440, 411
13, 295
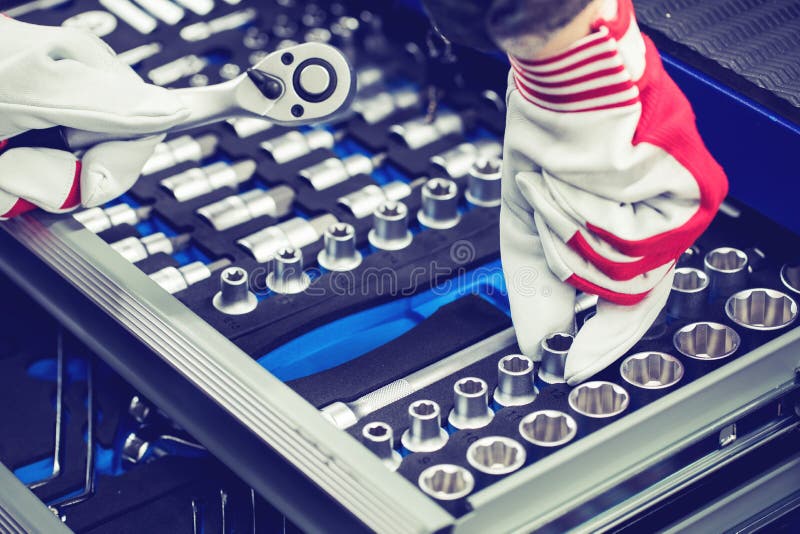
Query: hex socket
514, 381
790, 276
761, 309
471, 404
706, 341
554, 357
599, 399
446, 482
651, 370
496, 455
727, 270
425, 432
378, 437
689, 293
548, 428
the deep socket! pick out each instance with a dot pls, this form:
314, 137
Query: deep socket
514, 381
651, 370
378, 437
471, 406
548, 428
790, 276
136, 249
249, 126
727, 270
193, 183
294, 233
287, 276
175, 279
373, 109
390, 227
333, 171
419, 132
554, 357
238, 209
134, 449
234, 296
294, 144
182, 67
689, 293
425, 432
761, 309
205, 29
439, 204
496, 455
180, 150
100, 219
706, 341
483, 182
456, 162
366, 200
446, 482
599, 399
340, 252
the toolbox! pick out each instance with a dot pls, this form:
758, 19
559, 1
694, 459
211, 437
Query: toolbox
321, 307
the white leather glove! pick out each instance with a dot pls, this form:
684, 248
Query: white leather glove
53, 76
605, 183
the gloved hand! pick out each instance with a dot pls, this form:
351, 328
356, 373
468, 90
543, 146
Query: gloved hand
606, 182
62, 76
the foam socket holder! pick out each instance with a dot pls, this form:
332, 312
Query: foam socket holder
761, 309
706, 341
599, 399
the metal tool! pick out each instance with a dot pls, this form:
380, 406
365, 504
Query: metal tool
483, 182
132, 15
366, 200
234, 296
379, 438
456, 162
294, 233
248, 126
136, 55
471, 406
33, 6
689, 293
100, 219
599, 399
238, 209
287, 276
425, 433
376, 108
136, 249
420, 132
761, 309
439, 204
182, 67
164, 10
727, 270
446, 482
651, 370
496, 455
555, 348
790, 276
333, 171
344, 415
514, 381
340, 252
295, 144
199, 181
548, 428
390, 227
205, 29
175, 279
98, 22
198, 7
180, 150
706, 341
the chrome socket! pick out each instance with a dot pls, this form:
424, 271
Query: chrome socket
99, 219
471, 406
287, 276
173, 71
294, 144
514, 381
390, 227
249, 126
175, 279
548, 428
234, 296
379, 438
446, 482
790, 276
457, 162
135, 249
439, 204
496, 455
374, 109
425, 433
599, 399
651, 370
366, 200
180, 150
554, 357
334, 171
483, 183
340, 252
197, 182
706, 341
418, 132
238, 209
134, 449
294, 233
727, 269
689, 293
761, 309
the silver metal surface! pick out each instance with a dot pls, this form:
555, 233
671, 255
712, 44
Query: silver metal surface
379, 438
100, 23
196, 182
471, 404
234, 296
134, 449
180, 150
483, 182
365, 201
446, 482
439, 204
418, 132
175, 279
205, 29
246, 127
132, 15
514, 381
790, 276
164, 10
548, 428
340, 252
555, 348
294, 233
651, 370
99, 219
138, 54
599, 399
390, 227
373, 109
425, 432
727, 269
689, 293
287, 276
21, 512
496, 455
238, 209
761, 309
333, 171
706, 341
295, 144
135, 249
457, 162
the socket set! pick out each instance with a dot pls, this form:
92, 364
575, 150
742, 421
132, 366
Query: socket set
357, 261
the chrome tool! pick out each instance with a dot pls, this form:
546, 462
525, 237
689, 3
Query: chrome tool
390, 227
471, 406
294, 233
287, 276
548, 428
379, 438
425, 433
340, 252
439, 204
651, 370
200, 181
514, 381
238, 209
234, 296
599, 399
496, 455
100, 219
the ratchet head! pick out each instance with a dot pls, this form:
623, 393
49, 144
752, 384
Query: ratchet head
299, 85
